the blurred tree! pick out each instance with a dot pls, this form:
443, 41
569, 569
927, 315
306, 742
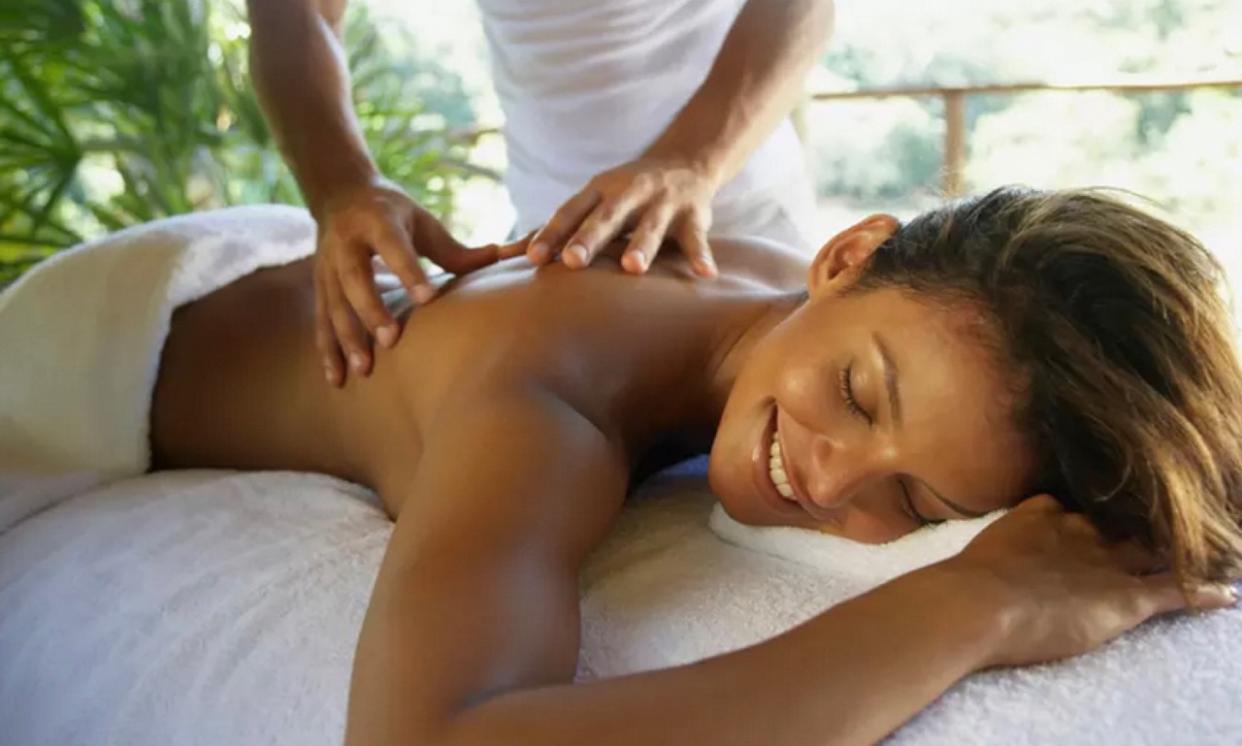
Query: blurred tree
1057, 139
878, 151
115, 113
887, 155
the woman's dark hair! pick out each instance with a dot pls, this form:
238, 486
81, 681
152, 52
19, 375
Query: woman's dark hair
1128, 386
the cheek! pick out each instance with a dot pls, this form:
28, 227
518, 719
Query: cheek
727, 469
869, 528
800, 374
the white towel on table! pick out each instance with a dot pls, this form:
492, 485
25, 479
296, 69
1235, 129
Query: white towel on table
201, 608
665, 591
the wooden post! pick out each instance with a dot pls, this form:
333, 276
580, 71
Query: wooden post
954, 143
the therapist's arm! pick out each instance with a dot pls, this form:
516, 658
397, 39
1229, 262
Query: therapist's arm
754, 82
302, 81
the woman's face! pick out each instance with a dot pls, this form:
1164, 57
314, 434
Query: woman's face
864, 415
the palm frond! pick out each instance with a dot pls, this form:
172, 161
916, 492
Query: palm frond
154, 94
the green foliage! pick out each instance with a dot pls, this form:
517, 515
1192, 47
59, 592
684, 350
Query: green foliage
116, 113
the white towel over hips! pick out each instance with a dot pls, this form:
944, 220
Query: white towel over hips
81, 335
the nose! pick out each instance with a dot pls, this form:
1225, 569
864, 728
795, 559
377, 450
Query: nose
839, 472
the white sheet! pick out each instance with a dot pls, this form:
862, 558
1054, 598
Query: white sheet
222, 608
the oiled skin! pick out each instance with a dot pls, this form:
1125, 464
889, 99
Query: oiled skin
502, 432
562, 379
239, 384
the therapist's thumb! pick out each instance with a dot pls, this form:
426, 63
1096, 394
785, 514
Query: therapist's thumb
432, 240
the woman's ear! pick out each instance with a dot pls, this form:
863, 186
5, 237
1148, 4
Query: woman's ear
843, 258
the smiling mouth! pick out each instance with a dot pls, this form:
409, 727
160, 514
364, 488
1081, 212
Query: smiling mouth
781, 498
778, 478
777, 472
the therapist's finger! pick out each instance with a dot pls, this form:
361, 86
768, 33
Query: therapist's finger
515, 248
603, 224
393, 243
646, 239
564, 221
440, 246
348, 329
692, 235
325, 338
357, 276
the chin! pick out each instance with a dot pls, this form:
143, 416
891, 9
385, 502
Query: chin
717, 482
745, 513
865, 530
725, 488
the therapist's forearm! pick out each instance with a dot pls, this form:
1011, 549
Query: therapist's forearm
754, 82
302, 81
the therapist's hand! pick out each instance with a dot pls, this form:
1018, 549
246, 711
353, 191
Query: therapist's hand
651, 199
357, 223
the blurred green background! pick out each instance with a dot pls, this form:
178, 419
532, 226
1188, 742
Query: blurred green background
1181, 149
114, 113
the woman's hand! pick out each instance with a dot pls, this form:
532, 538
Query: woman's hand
655, 197
355, 224
1063, 589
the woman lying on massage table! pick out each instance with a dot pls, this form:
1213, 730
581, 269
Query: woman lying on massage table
1015, 344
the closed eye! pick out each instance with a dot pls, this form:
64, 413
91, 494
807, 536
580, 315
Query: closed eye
910, 510
846, 385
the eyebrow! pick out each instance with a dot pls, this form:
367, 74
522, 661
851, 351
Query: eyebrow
894, 402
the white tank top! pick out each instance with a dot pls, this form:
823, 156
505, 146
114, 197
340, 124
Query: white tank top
588, 84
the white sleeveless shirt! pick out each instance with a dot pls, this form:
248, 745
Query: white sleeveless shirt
587, 85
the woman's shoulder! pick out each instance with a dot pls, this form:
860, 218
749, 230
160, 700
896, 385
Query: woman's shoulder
763, 261
513, 319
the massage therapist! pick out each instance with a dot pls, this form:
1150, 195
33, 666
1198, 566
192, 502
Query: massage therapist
649, 118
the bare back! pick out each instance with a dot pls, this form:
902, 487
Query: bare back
240, 386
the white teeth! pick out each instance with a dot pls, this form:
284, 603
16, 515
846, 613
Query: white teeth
776, 470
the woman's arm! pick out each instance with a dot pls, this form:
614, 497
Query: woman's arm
472, 633
850, 675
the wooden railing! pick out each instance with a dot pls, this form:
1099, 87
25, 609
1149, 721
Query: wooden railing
955, 108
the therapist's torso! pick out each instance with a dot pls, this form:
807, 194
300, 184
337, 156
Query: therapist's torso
588, 84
